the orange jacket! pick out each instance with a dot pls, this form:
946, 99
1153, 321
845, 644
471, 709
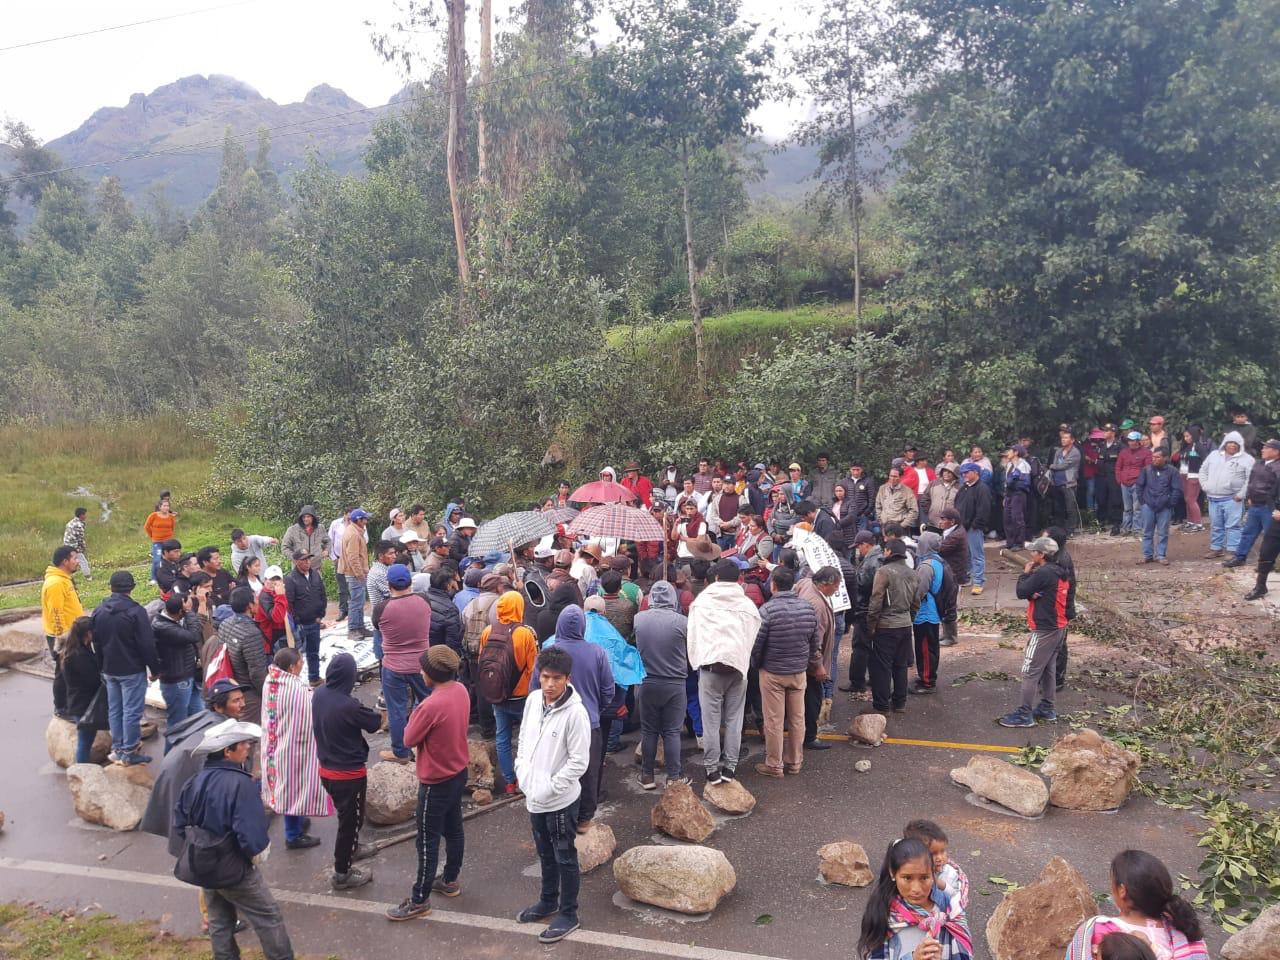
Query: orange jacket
523, 641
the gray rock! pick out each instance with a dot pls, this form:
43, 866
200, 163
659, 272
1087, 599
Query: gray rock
60, 739
1260, 940
730, 796
392, 794
595, 847
21, 641
689, 880
1001, 782
868, 728
114, 797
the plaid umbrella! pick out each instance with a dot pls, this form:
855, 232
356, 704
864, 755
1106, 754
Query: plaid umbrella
560, 514
502, 533
602, 491
617, 520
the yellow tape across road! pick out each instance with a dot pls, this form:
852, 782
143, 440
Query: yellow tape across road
944, 744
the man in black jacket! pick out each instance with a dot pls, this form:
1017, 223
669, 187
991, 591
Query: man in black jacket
126, 650
788, 639
860, 491
246, 650
1270, 549
1106, 490
973, 503
340, 722
178, 640
446, 621
170, 568
304, 590
866, 558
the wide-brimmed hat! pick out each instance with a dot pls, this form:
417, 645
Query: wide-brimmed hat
227, 734
704, 550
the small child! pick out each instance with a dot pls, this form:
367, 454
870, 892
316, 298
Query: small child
950, 879
906, 916
1124, 946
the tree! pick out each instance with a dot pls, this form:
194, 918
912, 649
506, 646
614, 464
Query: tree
685, 76
455, 72
844, 64
35, 167
1093, 185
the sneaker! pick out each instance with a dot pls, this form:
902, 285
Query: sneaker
714, 776
1018, 718
539, 911
365, 850
1257, 593
1048, 714
113, 757
560, 928
408, 910
134, 759
647, 781
1116, 531
901, 709
975, 592
727, 773
1146, 560
392, 757
511, 789
381, 704
584, 825
766, 771
355, 877
304, 842
947, 642
790, 770
921, 688
447, 888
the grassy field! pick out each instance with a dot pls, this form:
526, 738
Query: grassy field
29, 933
116, 471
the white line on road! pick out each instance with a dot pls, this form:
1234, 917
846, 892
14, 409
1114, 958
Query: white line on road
498, 924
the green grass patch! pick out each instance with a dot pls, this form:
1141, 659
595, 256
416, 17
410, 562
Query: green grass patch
121, 468
30, 933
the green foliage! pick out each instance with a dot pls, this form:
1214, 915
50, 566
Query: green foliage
1240, 872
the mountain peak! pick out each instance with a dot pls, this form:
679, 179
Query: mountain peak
325, 95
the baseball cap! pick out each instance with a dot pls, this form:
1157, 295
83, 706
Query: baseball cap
1134, 435
301, 555
466, 523
863, 536
542, 553
170, 544
358, 514
223, 687
1108, 426
273, 572
795, 466
967, 468
1046, 545
1272, 444
399, 576
564, 558
1126, 424
410, 536
438, 542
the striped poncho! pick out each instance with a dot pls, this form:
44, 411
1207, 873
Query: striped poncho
290, 762
1091, 932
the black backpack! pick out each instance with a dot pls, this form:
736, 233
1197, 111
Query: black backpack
497, 671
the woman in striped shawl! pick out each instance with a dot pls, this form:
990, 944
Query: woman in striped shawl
290, 763
908, 917
1143, 891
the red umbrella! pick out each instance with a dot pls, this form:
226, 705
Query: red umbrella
617, 520
602, 491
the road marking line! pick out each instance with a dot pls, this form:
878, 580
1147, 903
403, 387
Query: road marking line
943, 744
497, 924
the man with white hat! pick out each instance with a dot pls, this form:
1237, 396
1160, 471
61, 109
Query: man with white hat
460, 543
223, 801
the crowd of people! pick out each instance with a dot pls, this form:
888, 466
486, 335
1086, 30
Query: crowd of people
731, 620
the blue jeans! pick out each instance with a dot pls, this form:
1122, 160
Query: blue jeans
1257, 520
396, 690
294, 827
84, 744
693, 708
1155, 523
155, 559
1224, 523
126, 699
505, 715
181, 700
1129, 496
355, 604
307, 637
377, 644
1090, 490
977, 558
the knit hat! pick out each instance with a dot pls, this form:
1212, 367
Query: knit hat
443, 659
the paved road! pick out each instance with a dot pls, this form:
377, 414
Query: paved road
53, 859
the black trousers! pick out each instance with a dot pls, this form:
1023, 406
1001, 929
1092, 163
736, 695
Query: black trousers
590, 781
1268, 552
860, 656
1107, 494
439, 814
344, 596
890, 660
812, 707
1060, 672
927, 652
348, 800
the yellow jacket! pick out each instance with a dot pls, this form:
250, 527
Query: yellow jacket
59, 602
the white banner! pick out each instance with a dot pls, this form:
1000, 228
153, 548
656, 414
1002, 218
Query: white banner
816, 554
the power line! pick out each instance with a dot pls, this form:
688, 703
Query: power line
124, 26
192, 148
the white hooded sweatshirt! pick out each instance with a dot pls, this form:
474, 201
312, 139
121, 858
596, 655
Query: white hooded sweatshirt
553, 752
1223, 474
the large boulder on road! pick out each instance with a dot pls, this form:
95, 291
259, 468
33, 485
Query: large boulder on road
680, 814
60, 739
1037, 922
392, 794
114, 797
1086, 771
689, 880
1001, 782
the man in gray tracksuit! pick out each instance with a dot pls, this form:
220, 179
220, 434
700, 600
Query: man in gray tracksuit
660, 633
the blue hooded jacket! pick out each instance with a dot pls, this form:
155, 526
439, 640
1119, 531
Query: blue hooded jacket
222, 798
592, 676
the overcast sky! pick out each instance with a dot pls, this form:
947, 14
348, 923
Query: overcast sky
282, 48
